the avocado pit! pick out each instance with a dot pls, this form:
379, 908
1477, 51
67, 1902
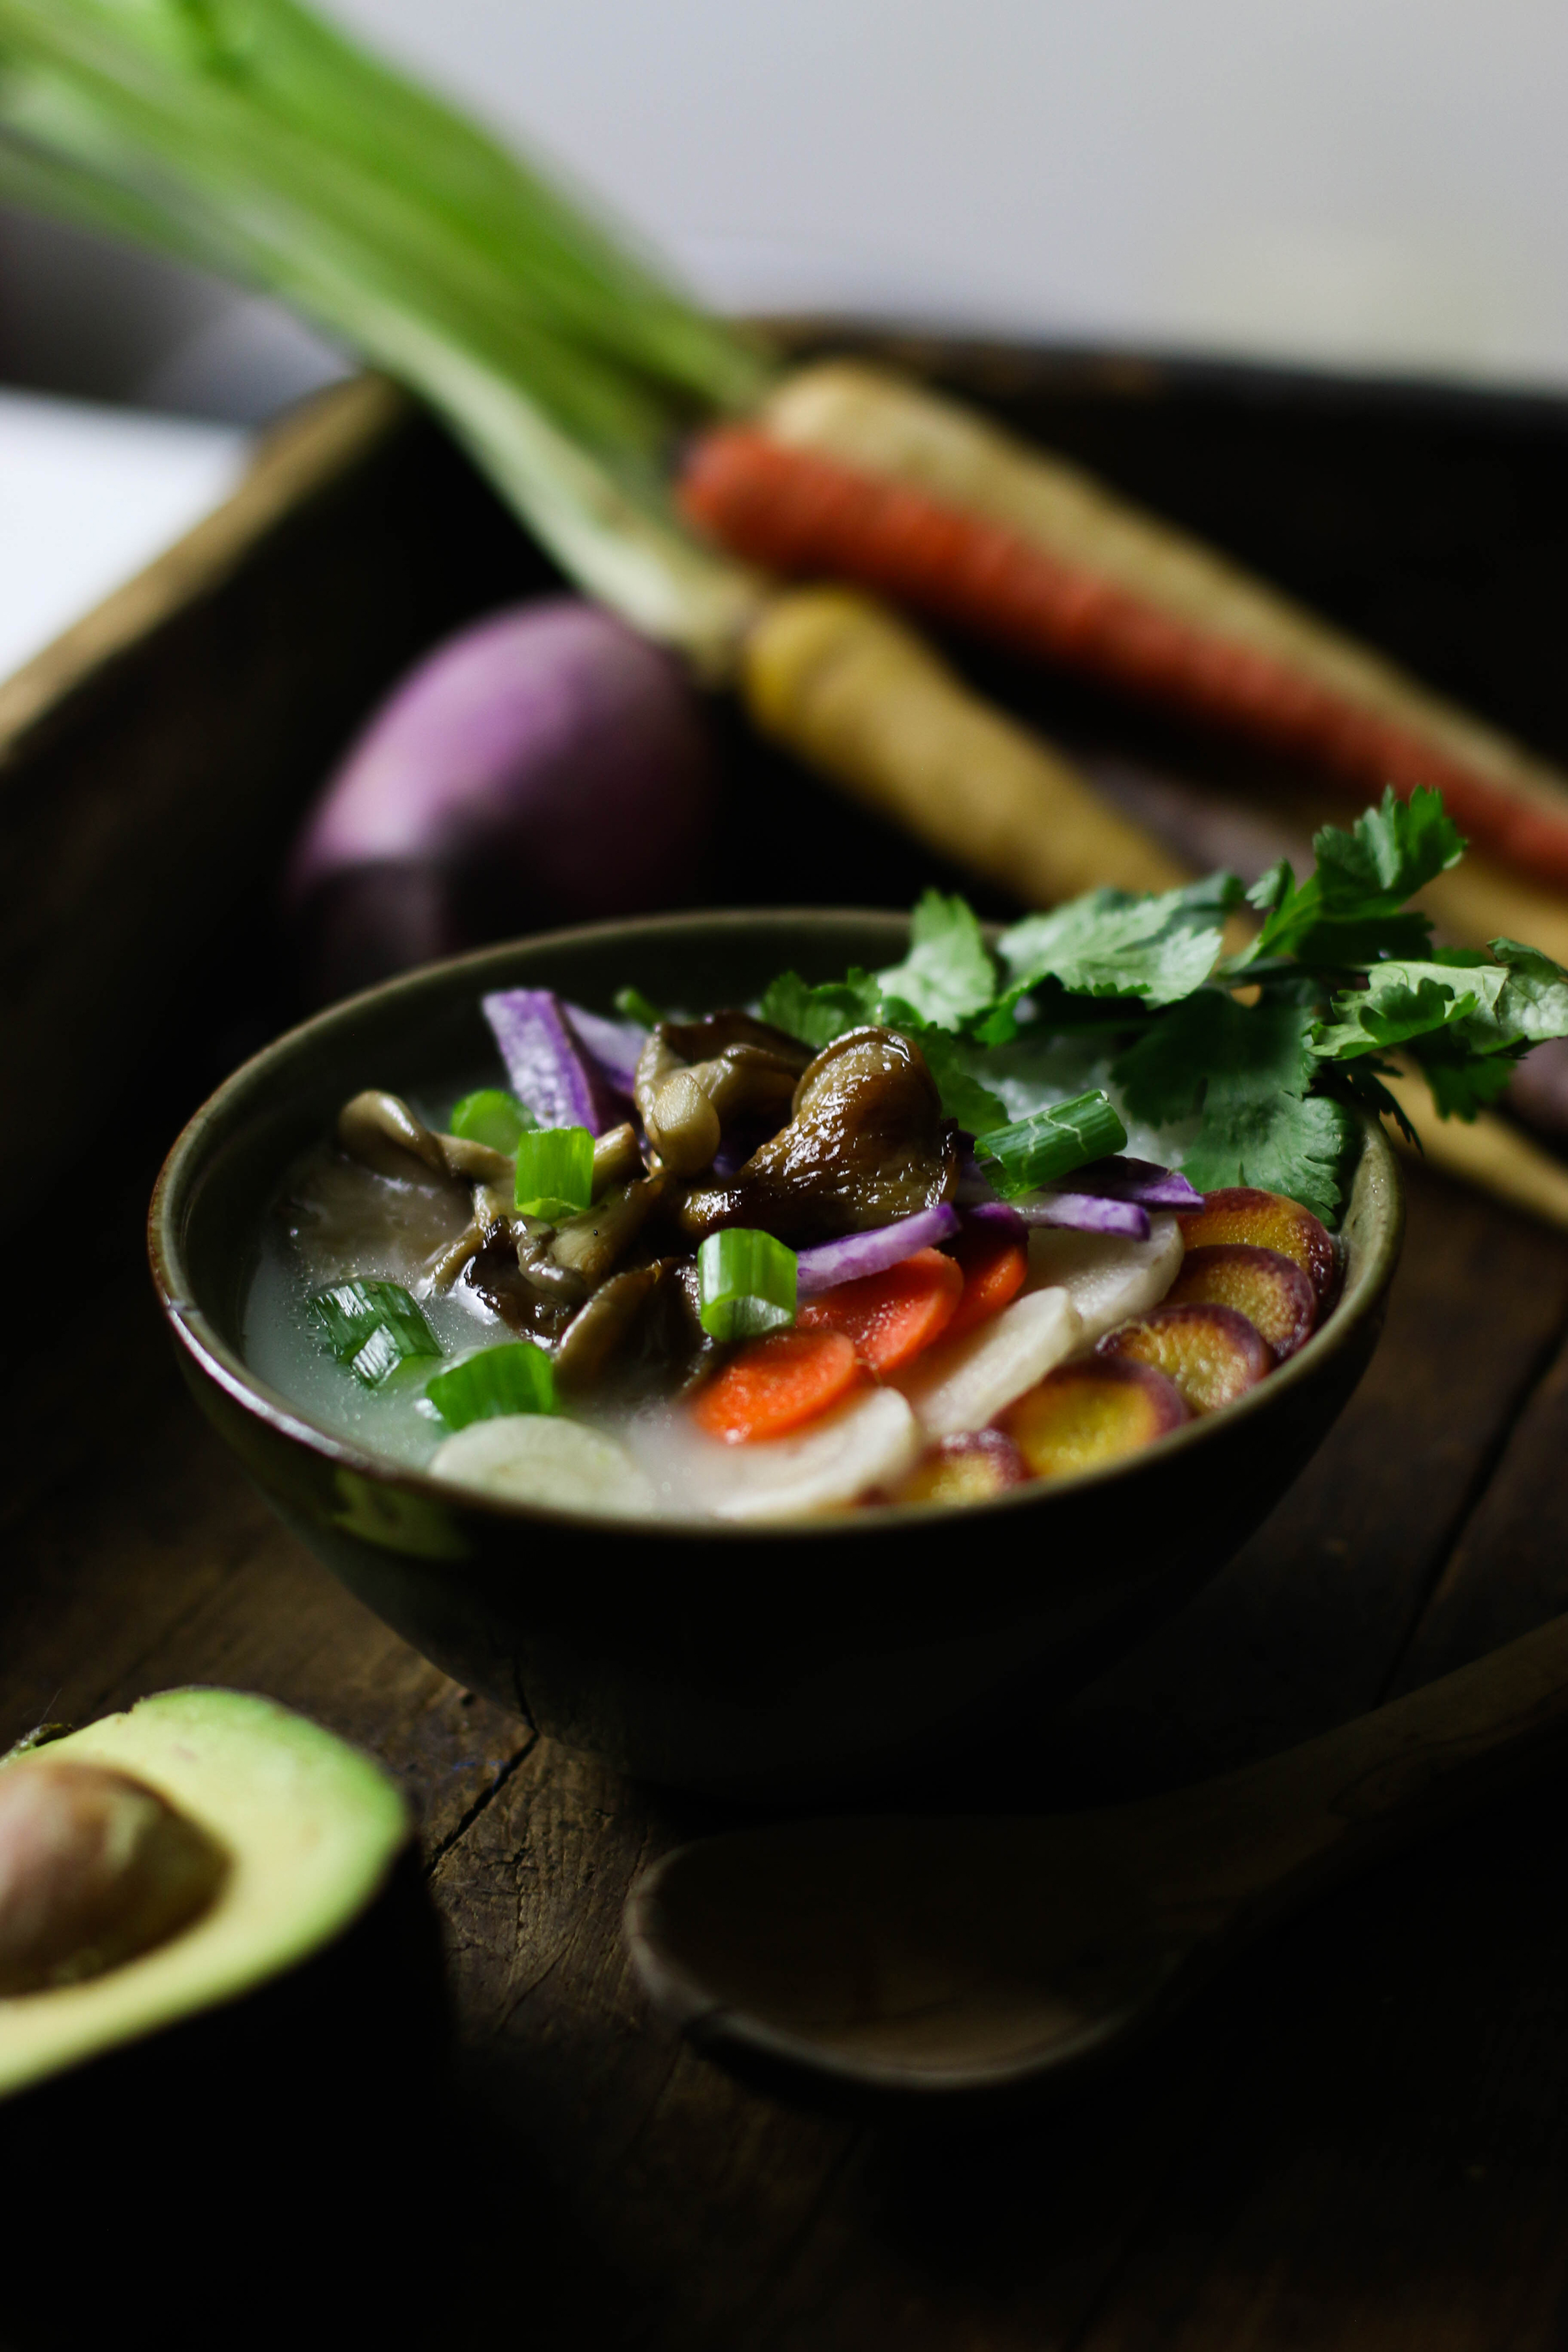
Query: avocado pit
94, 1868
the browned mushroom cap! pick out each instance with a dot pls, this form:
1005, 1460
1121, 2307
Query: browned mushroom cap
617, 1155
380, 1129
588, 1246
521, 1284
640, 1334
598, 1329
718, 1033
696, 1078
867, 1143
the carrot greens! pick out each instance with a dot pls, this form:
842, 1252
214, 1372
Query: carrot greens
251, 138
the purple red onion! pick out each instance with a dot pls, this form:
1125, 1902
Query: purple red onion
1087, 1212
999, 1217
828, 1264
1121, 1179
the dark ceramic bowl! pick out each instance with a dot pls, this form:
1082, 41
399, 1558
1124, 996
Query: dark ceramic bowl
769, 1663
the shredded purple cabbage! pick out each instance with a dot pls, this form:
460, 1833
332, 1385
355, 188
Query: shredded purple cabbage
548, 1065
614, 1044
1152, 1187
831, 1263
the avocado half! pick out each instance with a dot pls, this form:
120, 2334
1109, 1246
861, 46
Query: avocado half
309, 1833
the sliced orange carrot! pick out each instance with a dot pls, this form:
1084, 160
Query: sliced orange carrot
797, 510
777, 1383
994, 1265
890, 1317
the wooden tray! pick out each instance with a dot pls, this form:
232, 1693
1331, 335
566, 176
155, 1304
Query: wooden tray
1356, 2139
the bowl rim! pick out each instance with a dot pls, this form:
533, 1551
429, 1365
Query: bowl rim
221, 1364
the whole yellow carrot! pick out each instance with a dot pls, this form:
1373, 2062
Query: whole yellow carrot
862, 698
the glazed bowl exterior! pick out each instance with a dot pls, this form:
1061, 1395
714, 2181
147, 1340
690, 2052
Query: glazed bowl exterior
764, 1662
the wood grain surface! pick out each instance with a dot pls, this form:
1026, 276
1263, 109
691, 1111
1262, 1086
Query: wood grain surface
1356, 2137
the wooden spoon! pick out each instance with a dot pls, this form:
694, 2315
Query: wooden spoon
941, 1954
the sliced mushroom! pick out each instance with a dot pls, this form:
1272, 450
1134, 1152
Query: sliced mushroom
444, 1270
617, 1155
380, 1129
682, 1124
495, 1276
719, 1032
589, 1246
496, 1204
694, 1078
867, 1143
657, 1061
535, 1242
597, 1330
746, 1081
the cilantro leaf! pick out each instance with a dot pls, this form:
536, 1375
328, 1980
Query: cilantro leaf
1245, 1069
816, 1016
1157, 949
1390, 854
1535, 1001
1463, 1081
1349, 912
948, 976
964, 1098
1405, 1001
1361, 1082
1466, 1023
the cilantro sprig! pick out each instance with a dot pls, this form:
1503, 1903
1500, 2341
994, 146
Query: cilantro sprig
1254, 1059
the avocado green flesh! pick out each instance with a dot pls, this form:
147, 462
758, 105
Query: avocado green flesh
311, 1829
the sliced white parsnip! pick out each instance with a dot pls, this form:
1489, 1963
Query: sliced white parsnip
869, 1441
1107, 1277
530, 1457
965, 1384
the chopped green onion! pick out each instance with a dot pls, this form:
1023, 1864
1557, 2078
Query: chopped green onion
747, 1282
518, 1377
491, 1116
373, 1327
555, 1173
633, 1005
1051, 1144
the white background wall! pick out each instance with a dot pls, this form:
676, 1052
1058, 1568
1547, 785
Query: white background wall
1379, 182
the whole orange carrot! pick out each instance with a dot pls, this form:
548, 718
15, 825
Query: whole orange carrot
921, 513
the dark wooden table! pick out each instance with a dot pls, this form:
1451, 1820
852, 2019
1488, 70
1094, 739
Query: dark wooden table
1356, 2139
